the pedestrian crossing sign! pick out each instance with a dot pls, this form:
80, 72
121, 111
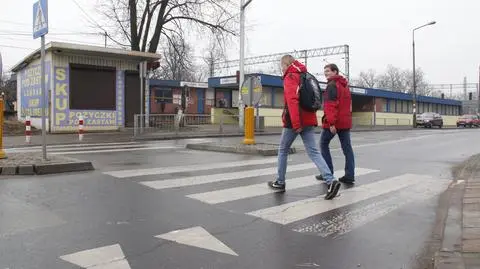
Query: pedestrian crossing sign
40, 18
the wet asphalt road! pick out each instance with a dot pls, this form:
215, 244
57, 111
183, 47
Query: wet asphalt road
382, 222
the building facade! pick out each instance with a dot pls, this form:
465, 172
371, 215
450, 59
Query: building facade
102, 85
369, 106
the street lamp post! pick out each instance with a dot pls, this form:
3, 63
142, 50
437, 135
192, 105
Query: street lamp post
414, 101
243, 6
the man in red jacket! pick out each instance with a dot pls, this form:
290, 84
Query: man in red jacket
337, 119
299, 121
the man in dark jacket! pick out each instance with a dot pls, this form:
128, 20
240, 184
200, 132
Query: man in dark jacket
337, 119
297, 121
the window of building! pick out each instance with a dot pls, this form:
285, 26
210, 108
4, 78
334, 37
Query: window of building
163, 96
266, 97
390, 105
383, 107
278, 98
92, 87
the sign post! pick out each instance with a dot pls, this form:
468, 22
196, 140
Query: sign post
251, 94
40, 29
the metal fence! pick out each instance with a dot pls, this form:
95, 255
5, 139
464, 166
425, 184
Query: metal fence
194, 124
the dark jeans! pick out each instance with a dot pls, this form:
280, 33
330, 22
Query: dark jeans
344, 136
308, 136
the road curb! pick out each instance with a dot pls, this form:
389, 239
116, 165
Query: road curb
448, 254
456, 251
44, 169
191, 136
257, 149
33, 164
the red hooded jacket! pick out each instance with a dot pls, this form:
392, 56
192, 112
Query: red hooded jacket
337, 104
294, 117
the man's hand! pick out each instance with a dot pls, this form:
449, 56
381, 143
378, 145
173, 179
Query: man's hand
333, 130
299, 130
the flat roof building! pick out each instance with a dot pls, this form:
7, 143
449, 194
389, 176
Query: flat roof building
369, 106
100, 84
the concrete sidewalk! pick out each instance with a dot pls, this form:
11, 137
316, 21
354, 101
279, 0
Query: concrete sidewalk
233, 131
58, 139
127, 135
460, 244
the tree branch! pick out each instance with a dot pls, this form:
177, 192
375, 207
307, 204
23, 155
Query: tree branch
208, 24
142, 22
158, 28
132, 4
120, 23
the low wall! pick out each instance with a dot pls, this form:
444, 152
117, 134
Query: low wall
227, 115
450, 120
273, 117
362, 118
393, 119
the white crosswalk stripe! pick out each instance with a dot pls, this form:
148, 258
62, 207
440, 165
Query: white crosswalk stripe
93, 148
291, 212
232, 184
199, 180
227, 195
190, 168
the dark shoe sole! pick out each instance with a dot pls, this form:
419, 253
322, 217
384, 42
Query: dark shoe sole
270, 184
348, 182
334, 192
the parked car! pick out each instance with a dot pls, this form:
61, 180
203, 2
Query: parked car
429, 119
468, 121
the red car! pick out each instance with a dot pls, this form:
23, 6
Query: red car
468, 121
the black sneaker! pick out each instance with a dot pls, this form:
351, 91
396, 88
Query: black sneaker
276, 186
347, 180
319, 177
333, 189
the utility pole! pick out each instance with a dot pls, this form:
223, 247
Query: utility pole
241, 115
105, 38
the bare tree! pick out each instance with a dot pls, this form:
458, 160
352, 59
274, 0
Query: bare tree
214, 53
392, 79
142, 23
423, 87
368, 79
177, 61
395, 79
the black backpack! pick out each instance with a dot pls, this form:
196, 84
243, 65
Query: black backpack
310, 96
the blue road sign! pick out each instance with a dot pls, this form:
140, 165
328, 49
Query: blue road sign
40, 18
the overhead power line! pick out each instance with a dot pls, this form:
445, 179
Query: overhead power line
305, 54
14, 47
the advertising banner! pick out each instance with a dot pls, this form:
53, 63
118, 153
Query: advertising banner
120, 88
66, 117
31, 90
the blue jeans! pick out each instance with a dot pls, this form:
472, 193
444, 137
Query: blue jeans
308, 137
344, 136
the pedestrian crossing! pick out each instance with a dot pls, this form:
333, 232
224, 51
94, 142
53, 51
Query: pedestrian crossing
99, 148
229, 184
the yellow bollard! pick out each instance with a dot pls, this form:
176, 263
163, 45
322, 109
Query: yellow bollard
2, 152
249, 126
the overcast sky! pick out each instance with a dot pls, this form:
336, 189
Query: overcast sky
378, 32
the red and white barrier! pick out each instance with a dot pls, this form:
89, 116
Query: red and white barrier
28, 130
80, 128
